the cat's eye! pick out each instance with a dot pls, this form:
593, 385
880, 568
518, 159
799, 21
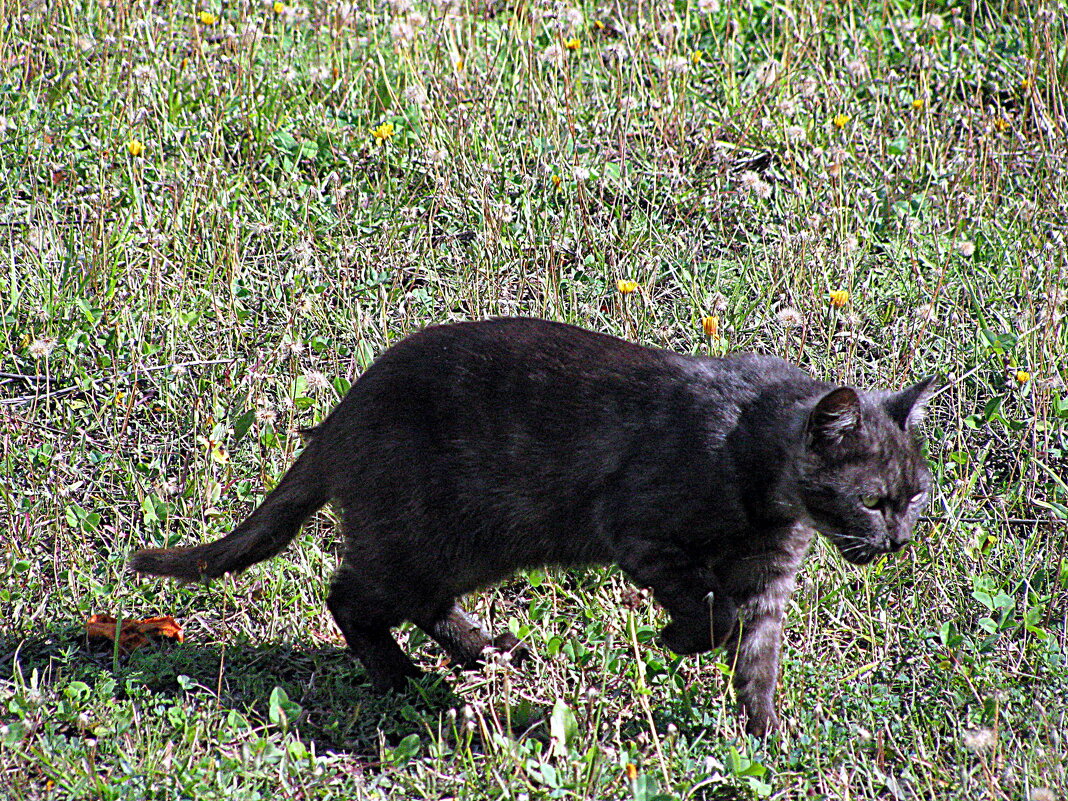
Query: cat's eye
871, 500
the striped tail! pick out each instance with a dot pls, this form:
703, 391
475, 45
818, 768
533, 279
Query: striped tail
265, 533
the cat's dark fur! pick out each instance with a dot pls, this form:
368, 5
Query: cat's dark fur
468, 451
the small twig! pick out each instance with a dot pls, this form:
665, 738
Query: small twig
29, 378
1009, 521
58, 393
72, 434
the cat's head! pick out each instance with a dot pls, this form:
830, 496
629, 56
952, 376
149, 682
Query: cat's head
863, 479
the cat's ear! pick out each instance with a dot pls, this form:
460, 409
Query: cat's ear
906, 407
835, 417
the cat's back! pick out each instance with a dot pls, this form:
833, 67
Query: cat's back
523, 366
511, 359
529, 341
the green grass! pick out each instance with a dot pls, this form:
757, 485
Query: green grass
171, 315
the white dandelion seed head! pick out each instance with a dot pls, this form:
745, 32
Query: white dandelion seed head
250, 34
966, 248
42, 347
402, 31
789, 317
317, 380
979, 739
858, 68
749, 179
677, 64
37, 239
415, 94
295, 14
795, 133
266, 416
553, 54
708, 6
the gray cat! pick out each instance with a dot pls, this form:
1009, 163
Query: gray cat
469, 451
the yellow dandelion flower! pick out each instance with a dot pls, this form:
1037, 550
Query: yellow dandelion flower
841, 121
710, 325
458, 65
1001, 124
632, 771
917, 104
573, 43
598, 25
279, 7
556, 180
626, 287
207, 18
839, 298
135, 148
383, 132
1022, 376
697, 56
1025, 84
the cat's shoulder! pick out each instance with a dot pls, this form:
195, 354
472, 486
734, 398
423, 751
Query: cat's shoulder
756, 368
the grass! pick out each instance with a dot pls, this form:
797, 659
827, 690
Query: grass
204, 242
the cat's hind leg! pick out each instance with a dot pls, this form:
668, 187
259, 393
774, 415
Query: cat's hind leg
464, 638
387, 666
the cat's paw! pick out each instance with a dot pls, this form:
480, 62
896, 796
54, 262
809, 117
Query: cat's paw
760, 719
686, 638
383, 681
507, 643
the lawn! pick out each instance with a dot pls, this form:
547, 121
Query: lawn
214, 217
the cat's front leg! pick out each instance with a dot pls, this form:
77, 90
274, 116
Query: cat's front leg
763, 587
756, 667
684, 588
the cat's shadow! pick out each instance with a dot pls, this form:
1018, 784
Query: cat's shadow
337, 708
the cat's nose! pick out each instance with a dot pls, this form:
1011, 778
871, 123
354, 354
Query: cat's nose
897, 543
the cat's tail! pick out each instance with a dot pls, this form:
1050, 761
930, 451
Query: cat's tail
265, 533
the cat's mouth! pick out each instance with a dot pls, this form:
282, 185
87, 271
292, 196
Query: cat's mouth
856, 551
860, 555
